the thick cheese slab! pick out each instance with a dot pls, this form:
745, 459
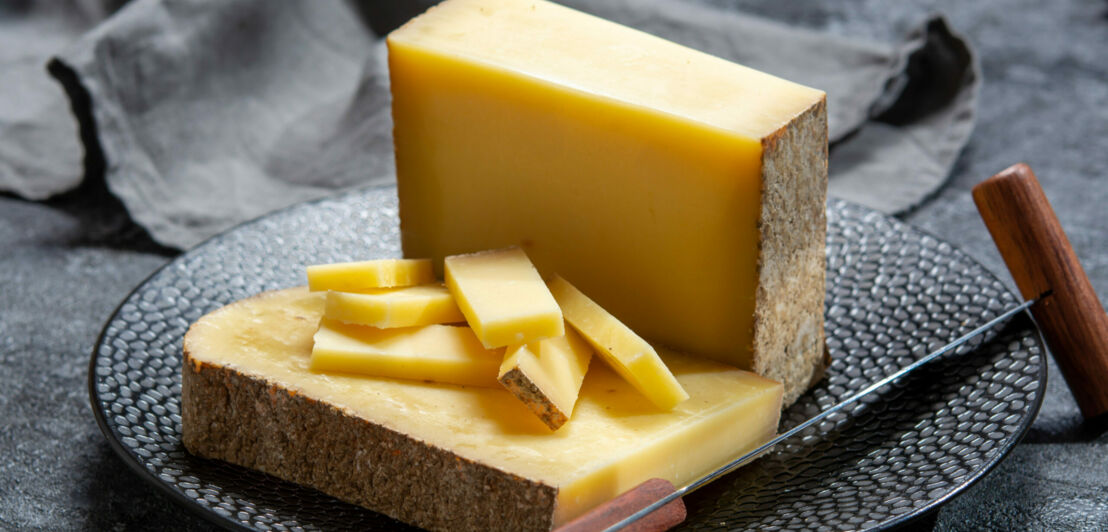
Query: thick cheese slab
684, 193
440, 456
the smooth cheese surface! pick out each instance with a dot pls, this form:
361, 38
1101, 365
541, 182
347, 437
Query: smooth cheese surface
438, 353
503, 297
370, 274
408, 306
623, 350
560, 46
547, 375
628, 164
613, 442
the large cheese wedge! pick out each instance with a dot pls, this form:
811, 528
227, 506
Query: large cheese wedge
547, 375
503, 298
445, 457
682, 192
438, 353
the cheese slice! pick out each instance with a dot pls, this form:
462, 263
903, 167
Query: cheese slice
370, 274
684, 193
623, 350
437, 353
446, 457
394, 307
503, 298
546, 375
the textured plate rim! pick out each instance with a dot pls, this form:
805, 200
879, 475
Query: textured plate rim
1025, 423
226, 522
101, 421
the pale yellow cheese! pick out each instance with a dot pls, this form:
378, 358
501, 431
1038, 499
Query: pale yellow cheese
546, 375
394, 307
437, 353
503, 298
370, 274
631, 165
626, 352
613, 442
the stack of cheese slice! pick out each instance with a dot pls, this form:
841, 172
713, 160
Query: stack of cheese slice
516, 335
392, 325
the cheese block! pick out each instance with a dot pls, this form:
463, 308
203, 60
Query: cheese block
408, 306
623, 350
684, 193
445, 457
547, 375
367, 275
438, 353
503, 298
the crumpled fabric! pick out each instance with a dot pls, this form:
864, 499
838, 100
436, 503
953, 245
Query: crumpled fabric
206, 114
899, 114
40, 145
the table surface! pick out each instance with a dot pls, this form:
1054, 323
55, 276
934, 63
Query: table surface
67, 262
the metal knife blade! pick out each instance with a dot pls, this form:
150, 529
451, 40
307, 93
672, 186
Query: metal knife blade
748, 457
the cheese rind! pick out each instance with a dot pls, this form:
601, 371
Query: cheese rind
439, 456
367, 275
503, 298
394, 307
685, 194
437, 353
546, 375
626, 352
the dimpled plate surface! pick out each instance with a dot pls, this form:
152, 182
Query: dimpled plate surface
893, 294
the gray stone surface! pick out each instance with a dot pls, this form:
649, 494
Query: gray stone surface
66, 263
1038, 487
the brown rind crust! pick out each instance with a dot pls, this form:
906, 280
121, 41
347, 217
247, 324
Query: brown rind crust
230, 416
517, 382
788, 316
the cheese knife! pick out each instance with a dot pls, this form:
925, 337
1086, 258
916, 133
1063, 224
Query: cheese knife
1055, 288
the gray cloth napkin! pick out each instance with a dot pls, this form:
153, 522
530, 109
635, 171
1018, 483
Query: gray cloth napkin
40, 150
211, 113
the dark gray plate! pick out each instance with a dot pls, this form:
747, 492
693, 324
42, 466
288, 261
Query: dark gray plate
893, 294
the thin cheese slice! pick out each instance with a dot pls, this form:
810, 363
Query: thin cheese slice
546, 375
394, 307
436, 353
367, 275
434, 453
627, 353
502, 297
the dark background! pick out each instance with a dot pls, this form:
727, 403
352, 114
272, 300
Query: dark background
67, 262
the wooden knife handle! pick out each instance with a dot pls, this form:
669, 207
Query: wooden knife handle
1039, 256
633, 500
